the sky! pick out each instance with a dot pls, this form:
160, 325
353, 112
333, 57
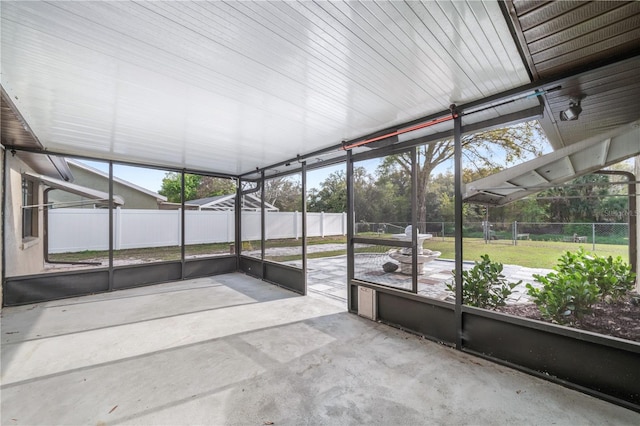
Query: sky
151, 179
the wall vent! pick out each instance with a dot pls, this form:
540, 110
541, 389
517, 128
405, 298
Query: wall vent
367, 303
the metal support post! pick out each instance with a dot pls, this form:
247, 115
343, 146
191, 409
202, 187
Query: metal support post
238, 230
304, 226
414, 221
110, 287
262, 223
457, 137
350, 230
182, 225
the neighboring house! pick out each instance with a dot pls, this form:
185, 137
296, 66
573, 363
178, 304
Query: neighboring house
134, 196
29, 178
250, 202
33, 183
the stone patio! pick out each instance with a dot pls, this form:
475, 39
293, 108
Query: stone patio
328, 275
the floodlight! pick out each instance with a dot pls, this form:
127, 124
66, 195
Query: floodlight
573, 111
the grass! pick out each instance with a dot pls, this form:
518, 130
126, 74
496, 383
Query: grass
534, 254
173, 252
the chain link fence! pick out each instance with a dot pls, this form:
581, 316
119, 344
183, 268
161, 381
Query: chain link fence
590, 235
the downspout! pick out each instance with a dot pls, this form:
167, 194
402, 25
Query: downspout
632, 214
45, 225
258, 187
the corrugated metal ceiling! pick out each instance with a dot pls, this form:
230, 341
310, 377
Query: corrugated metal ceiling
230, 86
15, 131
564, 37
591, 50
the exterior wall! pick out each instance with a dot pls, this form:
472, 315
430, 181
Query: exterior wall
133, 199
21, 257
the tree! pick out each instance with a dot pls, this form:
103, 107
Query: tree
212, 186
172, 187
284, 192
373, 200
195, 187
491, 149
585, 199
332, 196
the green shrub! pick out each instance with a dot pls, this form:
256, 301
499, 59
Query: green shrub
484, 285
580, 280
564, 297
613, 277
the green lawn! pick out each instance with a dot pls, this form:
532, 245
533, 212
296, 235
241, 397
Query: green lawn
173, 252
535, 254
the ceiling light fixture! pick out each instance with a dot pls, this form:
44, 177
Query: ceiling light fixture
573, 111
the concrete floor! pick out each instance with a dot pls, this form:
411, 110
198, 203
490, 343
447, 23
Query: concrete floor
231, 350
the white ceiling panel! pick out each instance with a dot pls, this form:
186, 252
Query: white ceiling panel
557, 170
230, 86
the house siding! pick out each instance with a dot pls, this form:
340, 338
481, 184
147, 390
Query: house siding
133, 199
20, 257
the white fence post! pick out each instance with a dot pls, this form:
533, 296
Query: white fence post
117, 229
295, 224
344, 223
179, 226
231, 231
322, 224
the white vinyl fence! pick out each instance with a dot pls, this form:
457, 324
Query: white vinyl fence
73, 230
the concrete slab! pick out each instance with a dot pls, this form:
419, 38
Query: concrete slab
234, 350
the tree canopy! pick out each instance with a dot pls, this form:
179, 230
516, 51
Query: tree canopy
383, 195
195, 186
482, 152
